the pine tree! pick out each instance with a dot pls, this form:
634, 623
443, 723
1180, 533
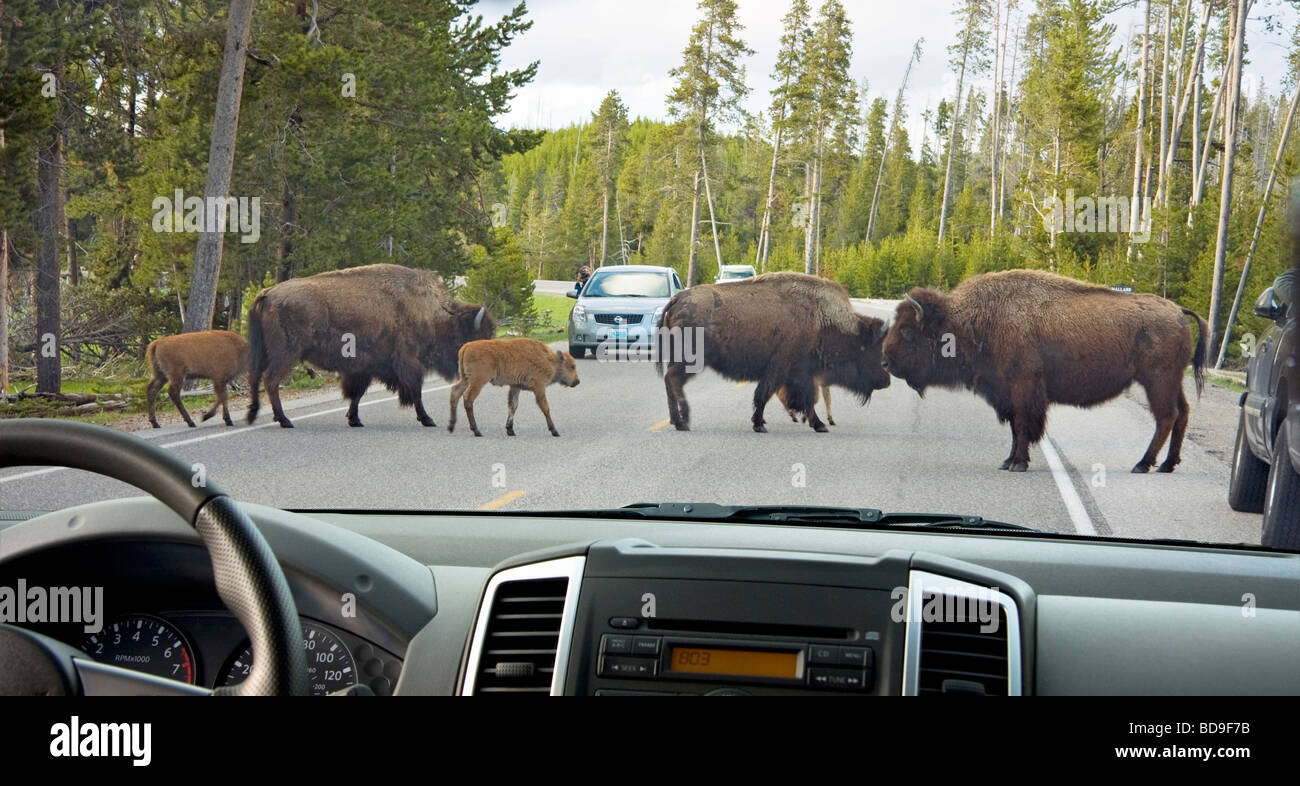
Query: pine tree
968, 54
709, 89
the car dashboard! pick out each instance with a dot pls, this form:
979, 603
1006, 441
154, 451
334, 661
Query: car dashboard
474, 604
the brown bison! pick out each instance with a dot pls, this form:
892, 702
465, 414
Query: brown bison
778, 329
1024, 339
521, 363
218, 355
384, 322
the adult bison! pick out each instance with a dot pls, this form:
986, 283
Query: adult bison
778, 329
1024, 339
384, 322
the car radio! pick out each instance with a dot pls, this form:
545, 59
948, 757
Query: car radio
703, 660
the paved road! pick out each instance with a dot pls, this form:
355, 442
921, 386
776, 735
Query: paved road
900, 453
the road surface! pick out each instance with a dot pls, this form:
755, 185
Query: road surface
898, 453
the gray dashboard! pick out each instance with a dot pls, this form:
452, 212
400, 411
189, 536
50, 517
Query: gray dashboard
1110, 618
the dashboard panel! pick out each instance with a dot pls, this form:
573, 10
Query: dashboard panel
464, 604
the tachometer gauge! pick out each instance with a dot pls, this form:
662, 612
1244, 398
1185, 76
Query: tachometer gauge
143, 643
329, 663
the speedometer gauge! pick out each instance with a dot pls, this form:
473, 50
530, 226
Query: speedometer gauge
329, 663
143, 643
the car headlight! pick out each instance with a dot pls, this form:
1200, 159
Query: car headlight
658, 316
579, 315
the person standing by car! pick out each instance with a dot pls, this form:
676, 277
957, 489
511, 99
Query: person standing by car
584, 273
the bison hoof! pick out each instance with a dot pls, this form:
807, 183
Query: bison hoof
682, 426
285, 423
356, 423
190, 423
760, 428
820, 428
478, 433
154, 423
1141, 468
830, 422
1006, 464
428, 423
554, 433
510, 432
1019, 466
208, 416
228, 421
1166, 467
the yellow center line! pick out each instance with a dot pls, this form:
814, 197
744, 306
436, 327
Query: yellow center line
660, 424
503, 500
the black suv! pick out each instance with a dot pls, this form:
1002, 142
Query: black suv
1265, 461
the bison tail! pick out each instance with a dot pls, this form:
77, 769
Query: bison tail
256, 355
1198, 355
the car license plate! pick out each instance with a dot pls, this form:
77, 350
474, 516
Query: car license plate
617, 334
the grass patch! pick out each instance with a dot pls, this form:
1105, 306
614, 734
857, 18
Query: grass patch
547, 327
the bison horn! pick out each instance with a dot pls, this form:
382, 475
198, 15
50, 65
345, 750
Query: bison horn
478, 318
920, 312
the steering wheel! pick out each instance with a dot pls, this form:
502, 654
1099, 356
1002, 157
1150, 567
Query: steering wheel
248, 578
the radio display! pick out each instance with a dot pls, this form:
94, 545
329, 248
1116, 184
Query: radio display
740, 663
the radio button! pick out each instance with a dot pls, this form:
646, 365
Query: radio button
836, 679
645, 645
628, 667
616, 645
627, 623
824, 653
858, 657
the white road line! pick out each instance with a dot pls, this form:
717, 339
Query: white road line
1073, 503
227, 432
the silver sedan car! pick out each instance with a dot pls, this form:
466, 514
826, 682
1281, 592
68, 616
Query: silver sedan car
620, 306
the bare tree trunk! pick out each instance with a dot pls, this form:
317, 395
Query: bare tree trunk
1191, 94
48, 218
814, 203
995, 118
708, 196
1259, 226
604, 217
1164, 100
1135, 209
1002, 172
288, 218
1230, 131
221, 159
1198, 179
765, 227
952, 143
692, 264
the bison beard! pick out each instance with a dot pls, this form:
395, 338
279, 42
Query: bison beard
1023, 340
781, 330
383, 322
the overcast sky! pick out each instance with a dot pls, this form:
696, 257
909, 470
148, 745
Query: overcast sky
588, 47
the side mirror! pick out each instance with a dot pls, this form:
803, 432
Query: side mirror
573, 293
1267, 306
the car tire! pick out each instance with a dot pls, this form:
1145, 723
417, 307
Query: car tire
1249, 479
1282, 502
578, 352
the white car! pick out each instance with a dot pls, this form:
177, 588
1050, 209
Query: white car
729, 273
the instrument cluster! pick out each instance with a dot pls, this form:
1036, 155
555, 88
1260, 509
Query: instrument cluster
211, 649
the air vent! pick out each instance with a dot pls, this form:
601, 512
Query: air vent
962, 639
963, 657
521, 638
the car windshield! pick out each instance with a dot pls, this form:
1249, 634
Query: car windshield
1010, 260
627, 284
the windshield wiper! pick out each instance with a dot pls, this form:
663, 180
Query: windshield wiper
862, 518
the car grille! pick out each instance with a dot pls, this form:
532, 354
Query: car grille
610, 319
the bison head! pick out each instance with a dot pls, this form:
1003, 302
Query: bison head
852, 361
915, 342
566, 372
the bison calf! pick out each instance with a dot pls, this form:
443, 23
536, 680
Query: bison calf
218, 355
520, 363
820, 391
